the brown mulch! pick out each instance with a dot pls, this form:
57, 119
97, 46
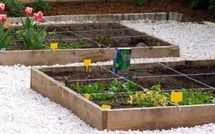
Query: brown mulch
108, 6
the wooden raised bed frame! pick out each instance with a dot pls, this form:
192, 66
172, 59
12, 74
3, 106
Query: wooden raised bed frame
122, 119
64, 56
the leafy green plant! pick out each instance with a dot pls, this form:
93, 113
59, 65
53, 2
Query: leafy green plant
40, 5
96, 90
52, 33
149, 99
197, 96
198, 3
206, 4
211, 6
5, 37
138, 3
104, 91
32, 36
15, 8
103, 39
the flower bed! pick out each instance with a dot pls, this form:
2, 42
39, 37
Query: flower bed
133, 107
99, 36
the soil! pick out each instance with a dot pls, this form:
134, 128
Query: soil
95, 35
125, 6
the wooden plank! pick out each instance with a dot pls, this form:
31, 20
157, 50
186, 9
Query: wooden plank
51, 57
86, 110
160, 118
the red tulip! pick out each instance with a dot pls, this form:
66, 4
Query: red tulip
28, 10
2, 7
38, 16
3, 17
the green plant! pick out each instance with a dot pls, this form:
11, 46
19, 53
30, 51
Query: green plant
149, 99
15, 7
52, 33
5, 37
104, 91
211, 6
138, 3
197, 96
96, 90
32, 36
103, 39
198, 3
40, 5
206, 4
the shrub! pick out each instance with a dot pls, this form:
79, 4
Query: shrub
40, 5
211, 6
15, 8
198, 3
207, 4
138, 3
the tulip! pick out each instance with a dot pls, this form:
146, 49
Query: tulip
38, 16
28, 10
3, 17
2, 7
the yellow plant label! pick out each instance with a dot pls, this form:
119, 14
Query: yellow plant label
176, 97
63, 84
87, 63
106, 106
6, 25
54, 46
87, 96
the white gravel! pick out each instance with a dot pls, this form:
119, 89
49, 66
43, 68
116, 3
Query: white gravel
24, 111
196, 41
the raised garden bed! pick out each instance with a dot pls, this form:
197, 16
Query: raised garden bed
193, 76
99, 41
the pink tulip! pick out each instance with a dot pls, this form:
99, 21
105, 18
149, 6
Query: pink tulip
38, 16
2, 7
3, 17
28, 10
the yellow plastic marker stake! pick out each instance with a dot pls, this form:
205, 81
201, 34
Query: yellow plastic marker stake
54, 46
6, 25
87, 96
63, 84
176, 97
87, 63
106, 106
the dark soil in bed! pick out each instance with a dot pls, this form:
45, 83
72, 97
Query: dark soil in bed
96, 35
168, 79
125, 6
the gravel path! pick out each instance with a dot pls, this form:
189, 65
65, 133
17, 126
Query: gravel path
24, 111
